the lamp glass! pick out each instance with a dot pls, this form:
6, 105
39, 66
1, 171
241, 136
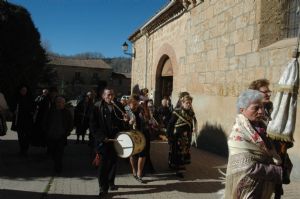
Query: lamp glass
125, 46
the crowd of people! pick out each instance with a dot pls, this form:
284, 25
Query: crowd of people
255, 166
109, 117
45, 121
42, 122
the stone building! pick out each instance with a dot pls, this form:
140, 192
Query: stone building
77, 76
121, 83
214, 49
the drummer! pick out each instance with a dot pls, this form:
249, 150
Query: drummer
137, 121
106, 121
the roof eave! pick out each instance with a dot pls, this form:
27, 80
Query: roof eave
138, 33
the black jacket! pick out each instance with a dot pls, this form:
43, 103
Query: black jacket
67, 121
105, 124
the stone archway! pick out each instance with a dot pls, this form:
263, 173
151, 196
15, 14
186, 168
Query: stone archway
164, 79
166, 63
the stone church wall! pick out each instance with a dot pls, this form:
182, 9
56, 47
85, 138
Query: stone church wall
216, 49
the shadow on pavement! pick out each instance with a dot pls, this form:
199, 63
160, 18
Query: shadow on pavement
213, 138
204, 164
184, 187
13, 194
14, 166
77, 162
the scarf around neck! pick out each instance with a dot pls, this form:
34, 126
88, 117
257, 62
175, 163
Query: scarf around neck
245, 137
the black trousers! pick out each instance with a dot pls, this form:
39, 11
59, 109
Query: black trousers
107, 168
23, 138
56, 150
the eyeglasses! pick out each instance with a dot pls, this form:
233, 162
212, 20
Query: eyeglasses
266, 92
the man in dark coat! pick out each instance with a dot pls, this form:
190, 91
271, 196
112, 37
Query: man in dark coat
22, 119
58, 125
105, 122
82, 114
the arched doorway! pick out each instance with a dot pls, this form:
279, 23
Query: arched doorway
164, 79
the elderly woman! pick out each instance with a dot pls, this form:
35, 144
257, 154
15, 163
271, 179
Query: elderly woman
253, 166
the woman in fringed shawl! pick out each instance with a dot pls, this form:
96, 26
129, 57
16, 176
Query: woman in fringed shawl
179, 131
253, 166
281, 145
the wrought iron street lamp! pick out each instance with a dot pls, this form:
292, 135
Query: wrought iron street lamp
125, 49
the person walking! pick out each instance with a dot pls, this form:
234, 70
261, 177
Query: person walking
23, 118
138, 122
281, 146
179, 131
58, 125
81, 117
105, 122
253, 167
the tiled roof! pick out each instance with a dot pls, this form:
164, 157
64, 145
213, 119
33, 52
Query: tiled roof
86, 63
171, 10
127, 75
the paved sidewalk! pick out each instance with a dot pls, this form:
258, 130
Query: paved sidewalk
32, 178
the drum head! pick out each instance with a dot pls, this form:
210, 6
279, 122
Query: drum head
124, 145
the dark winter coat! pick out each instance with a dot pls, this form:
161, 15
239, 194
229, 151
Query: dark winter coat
66, 121
105, 124
23, 115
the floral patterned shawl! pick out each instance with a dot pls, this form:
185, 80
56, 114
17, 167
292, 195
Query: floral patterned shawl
246, 148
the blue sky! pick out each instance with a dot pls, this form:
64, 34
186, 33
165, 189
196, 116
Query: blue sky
76, 26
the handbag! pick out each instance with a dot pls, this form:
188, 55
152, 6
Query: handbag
97, 160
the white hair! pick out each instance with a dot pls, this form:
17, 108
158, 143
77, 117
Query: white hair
247, 97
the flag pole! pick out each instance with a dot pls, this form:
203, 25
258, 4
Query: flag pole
295, 55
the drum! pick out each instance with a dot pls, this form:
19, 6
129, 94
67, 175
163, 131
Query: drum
129, 143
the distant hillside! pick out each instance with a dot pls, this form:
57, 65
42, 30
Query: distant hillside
119, 64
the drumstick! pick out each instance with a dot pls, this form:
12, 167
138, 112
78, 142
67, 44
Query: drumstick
112, 140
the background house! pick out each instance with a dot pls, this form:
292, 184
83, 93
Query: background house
121, 82
121, 75
78, 76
